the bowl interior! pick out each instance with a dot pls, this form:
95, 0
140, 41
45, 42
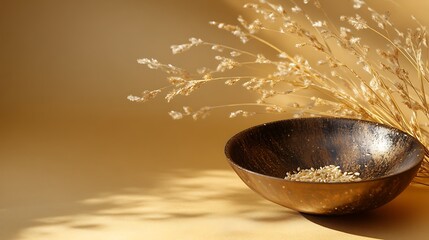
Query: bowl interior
372, 149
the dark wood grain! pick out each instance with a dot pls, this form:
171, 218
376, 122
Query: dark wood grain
387, 159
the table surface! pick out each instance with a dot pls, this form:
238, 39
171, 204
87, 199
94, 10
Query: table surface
78, 161
85, 183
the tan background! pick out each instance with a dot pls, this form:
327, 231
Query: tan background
78, 161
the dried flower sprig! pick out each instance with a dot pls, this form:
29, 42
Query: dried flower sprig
342, 77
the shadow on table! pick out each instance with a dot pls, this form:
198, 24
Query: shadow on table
180, 200
185, 200
403, 218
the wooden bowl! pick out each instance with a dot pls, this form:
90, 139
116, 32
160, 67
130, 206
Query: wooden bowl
386, 158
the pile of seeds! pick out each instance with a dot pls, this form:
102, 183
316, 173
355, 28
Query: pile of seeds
329, 173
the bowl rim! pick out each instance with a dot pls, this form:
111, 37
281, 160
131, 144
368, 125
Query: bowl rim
236, 135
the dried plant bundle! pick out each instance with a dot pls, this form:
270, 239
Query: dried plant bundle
342, 75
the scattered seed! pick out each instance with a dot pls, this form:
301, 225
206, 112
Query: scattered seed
330, 173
